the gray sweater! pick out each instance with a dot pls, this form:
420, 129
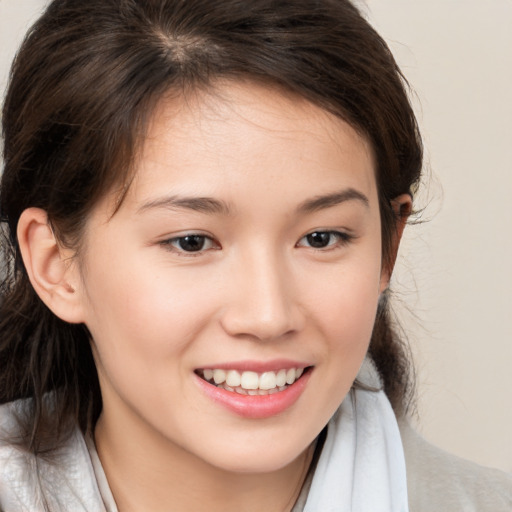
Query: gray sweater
440, 482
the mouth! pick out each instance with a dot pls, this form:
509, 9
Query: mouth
252, 383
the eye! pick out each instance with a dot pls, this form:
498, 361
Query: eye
324, 239
192, 243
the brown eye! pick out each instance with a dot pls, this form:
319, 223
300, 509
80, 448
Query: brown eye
325, 239
191, 243
319, 239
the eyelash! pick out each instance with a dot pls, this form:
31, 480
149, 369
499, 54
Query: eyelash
341, 239
174, 244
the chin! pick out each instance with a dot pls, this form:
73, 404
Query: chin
261, 458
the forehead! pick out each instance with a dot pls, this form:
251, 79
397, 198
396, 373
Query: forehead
243, 136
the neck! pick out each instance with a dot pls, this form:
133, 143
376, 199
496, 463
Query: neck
152, 474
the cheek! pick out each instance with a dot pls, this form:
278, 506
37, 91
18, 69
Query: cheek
343, 314
143, 310
345, 310
348, 330
142, 327
346, 298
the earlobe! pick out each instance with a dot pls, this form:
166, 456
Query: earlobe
402, 208
50, 267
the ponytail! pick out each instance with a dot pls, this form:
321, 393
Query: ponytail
392, 358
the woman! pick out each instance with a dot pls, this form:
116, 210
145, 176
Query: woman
204, 202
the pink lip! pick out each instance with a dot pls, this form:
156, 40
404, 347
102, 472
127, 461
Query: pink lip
258, 366
256, 407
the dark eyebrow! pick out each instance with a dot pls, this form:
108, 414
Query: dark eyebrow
198, 204
212, 206
329, 200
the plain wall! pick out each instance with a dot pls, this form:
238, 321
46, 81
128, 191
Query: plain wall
455, 271
453, 281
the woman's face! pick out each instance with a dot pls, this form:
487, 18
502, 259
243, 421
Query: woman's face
247, 248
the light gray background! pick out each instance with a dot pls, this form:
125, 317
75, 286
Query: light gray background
454, 277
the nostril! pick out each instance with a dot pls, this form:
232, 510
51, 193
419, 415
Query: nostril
255, 326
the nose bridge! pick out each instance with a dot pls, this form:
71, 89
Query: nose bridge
262, 303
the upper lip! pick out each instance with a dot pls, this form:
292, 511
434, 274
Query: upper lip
257, 366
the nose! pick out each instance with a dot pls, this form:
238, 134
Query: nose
262, 303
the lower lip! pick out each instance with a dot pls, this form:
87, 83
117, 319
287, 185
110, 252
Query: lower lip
257, 406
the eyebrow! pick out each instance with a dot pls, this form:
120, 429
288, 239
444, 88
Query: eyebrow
199, 204
334, 199
211, 205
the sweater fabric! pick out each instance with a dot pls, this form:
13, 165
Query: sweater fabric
73, 479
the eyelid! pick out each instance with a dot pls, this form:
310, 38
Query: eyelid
168, 244
343, 237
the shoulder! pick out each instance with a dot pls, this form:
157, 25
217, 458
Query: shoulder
63, 480
437, 480
16, 478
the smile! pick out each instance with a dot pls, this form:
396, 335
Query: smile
252, 383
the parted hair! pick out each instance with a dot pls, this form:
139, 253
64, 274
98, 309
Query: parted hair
82, 88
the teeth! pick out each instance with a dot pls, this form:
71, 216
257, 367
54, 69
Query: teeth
253, 383
233, 378
280, 378
250, 380
290, 376
219, 376
268, 380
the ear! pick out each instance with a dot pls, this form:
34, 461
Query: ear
402, 208
51, 268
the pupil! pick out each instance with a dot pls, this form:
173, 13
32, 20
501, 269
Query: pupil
192, 243
319, 240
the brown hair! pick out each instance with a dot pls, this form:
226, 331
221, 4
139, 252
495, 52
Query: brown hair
82, 87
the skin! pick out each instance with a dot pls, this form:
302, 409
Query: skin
257, 291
